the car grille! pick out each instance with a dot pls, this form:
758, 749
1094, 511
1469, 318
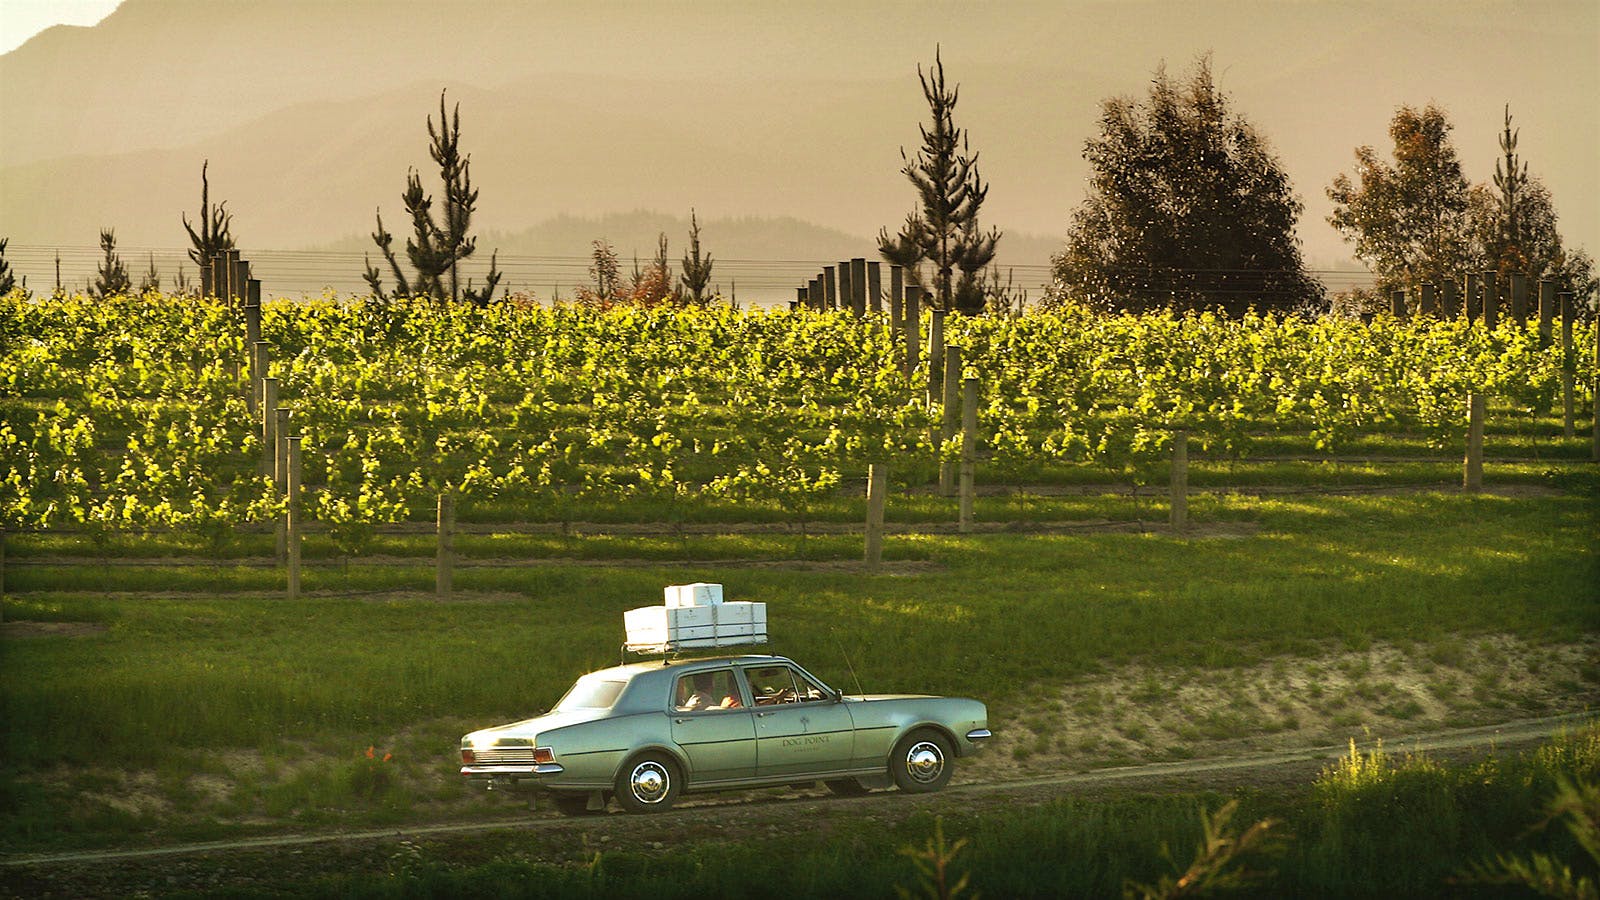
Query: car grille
502, 756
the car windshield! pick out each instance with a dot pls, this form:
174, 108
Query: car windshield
591, 693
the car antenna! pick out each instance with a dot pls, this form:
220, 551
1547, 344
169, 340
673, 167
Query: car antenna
847, 665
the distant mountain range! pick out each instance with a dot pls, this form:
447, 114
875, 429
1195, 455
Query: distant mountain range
781, 123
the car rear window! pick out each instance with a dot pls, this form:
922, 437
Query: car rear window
592, 693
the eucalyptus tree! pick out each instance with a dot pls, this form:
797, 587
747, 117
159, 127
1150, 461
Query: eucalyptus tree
1187, 208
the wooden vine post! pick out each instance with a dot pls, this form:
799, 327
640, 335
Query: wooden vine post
1180, 481
1547, 313
292, 517
858, 287
1568, 365
936, 357
1430, 299
1470, 300
1491, 300
446, 563
913, 320
1449, 302
969, 452
1397, 304
269, 426
1519, 298
830, 288
950, 418
254, 347
897, 294
847, 294
1472, 466
1594, 449
280, 472
877, 496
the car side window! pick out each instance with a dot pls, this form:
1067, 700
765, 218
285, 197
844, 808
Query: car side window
781, 684
706, 691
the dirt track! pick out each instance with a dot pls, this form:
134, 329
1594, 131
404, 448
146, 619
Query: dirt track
108, 872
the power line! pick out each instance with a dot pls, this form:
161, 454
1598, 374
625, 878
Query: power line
311, 272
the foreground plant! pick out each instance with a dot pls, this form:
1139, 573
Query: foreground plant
1215, 861
1577, 801
933, 867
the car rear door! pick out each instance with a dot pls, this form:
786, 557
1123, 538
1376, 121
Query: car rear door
801, 730
718, 740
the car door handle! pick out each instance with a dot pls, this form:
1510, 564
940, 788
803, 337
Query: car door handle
679, 721
763, 715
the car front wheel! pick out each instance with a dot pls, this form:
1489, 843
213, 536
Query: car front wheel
648, 784
921, 763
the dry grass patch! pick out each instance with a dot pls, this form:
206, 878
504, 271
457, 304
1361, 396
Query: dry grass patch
1141, 714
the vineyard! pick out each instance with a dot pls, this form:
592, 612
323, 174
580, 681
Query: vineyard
594, 455
128, 417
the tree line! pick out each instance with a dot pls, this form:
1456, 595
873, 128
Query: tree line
1188, 208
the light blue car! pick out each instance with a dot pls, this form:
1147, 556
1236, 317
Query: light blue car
647, 732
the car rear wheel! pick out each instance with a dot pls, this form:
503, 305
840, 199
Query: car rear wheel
648, 783
921, 763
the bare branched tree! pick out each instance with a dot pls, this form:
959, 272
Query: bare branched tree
436, 246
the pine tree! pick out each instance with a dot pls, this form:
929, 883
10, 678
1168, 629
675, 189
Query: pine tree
112, 278
1511, 181
215, 234
607, 275
8, 280
661, 272
437, 247
950, 191
904, 250
152, 278
696, 268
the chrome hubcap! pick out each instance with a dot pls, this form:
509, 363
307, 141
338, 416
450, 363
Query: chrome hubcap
924, 761
649, 782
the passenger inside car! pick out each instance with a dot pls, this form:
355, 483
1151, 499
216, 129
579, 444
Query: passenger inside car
707, 690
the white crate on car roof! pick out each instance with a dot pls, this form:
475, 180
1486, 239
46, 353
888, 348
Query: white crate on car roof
667, 628
698, 594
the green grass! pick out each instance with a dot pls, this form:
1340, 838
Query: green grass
1370, 826
1021, 609
200, 661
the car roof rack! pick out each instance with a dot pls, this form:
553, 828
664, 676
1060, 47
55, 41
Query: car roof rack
670, 656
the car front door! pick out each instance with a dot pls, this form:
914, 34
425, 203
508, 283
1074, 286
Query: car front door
801, 730
713, 723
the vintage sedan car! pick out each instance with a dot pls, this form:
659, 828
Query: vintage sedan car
648, 732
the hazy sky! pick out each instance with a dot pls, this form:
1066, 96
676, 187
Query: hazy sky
22, 19
310, 111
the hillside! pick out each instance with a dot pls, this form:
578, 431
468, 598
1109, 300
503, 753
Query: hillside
311, 113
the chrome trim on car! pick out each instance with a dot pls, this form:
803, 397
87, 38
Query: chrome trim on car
489, 771
979, 734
